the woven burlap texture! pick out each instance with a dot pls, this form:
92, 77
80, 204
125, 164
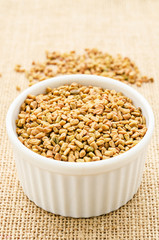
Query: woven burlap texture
27, 29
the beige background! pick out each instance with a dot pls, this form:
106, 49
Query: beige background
27, 29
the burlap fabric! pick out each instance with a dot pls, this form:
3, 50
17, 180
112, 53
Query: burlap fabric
27, 29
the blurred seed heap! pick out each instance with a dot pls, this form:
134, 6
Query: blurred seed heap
92, 61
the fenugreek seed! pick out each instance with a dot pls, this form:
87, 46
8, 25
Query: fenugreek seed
18, 88
85, 138
127, 116
72, 147
25, 135
120, 103
67, 125
82, 153
48, 89
56, 148
21, 139
143, 120
43, 154
83, 132
72, 105
137, 114
74, 91
27, 109
63, 136
105, 127
70, 129
79, 144
55, 129
128, 142
100, 142
81, 125
21, 116
74, 121
71, 158
64, 117
121, 147
77, 154
56, 92
64, 146
34, 149
48, 130
90, 140
110, 115
66, 151
58, 119
97, 134
91, 154
111, 143
135, 142
56, 140
94, 145
91, 130
128, 127
133, 124
31, 96
49, 153
90, 149
34, 141
71, 138
135, 135
108, 153
115, 118
98, 153
105, 157
87, 159
40, 135
33, 104
62, 130
57, 156
80, 160
63, 158
114, 150
126, 136
95, 158
62, 122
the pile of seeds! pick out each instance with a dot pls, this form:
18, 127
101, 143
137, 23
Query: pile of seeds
92, 61
78, 123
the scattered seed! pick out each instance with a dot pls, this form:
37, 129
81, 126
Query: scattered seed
92, 61
18, 88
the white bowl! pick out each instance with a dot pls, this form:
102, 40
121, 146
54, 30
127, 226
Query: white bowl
80, 189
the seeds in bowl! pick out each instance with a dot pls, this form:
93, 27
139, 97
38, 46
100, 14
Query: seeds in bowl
77, 123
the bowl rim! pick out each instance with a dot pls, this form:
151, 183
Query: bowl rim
84, 168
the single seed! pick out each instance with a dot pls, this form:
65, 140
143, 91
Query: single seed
74, 121
79, 144
18, 88
57, 156
74, 91
90, 149
66, 151
100, 142
82, 153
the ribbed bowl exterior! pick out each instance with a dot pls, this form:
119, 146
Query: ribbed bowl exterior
80, 189
80, 196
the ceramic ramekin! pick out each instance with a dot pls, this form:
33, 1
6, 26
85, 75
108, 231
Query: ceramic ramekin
80, 189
